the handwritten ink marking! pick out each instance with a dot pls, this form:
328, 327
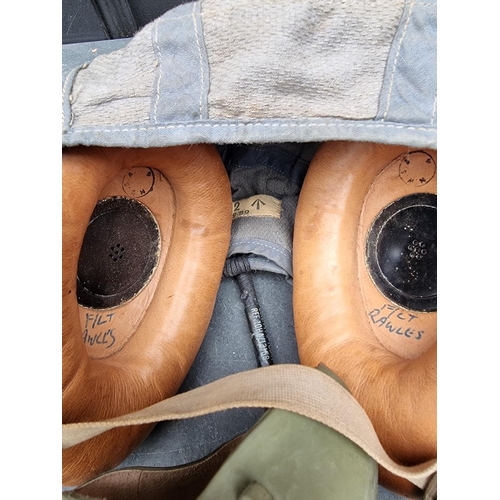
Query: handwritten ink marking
101, 338
93, 320
380, 318
97, 319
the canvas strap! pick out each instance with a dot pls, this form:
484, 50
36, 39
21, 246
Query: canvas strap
295, 388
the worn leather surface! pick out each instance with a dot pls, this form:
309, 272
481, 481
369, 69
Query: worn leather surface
331, 318
186, 482
154, 362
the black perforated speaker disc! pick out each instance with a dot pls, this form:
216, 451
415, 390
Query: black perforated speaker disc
402, 251
119, 254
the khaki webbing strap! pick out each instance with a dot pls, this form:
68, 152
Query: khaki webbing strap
295, 388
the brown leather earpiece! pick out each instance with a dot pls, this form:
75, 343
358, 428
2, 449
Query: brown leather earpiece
170, 315
384, 351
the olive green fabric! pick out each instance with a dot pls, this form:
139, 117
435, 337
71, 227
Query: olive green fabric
292, 457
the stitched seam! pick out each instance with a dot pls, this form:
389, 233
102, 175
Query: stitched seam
240, 125
202, 83
160, 65
65, 86
396, 61
434, 109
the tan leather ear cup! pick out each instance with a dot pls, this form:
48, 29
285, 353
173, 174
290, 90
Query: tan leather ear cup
125, 355
372, 324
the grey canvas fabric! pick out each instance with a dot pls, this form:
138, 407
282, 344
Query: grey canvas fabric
328, 58
93, 98
259, 72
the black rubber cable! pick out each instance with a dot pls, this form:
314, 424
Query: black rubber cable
238, 267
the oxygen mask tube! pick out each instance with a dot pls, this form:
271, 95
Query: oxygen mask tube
238, 267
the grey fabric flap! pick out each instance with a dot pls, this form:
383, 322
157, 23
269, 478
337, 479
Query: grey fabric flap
262, 71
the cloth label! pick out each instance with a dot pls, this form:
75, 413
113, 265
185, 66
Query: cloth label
260, 205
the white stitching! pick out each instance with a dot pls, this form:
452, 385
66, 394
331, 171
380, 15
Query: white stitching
396, 61
66, 81
202, 83
434, 109
160, 64
238, 125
